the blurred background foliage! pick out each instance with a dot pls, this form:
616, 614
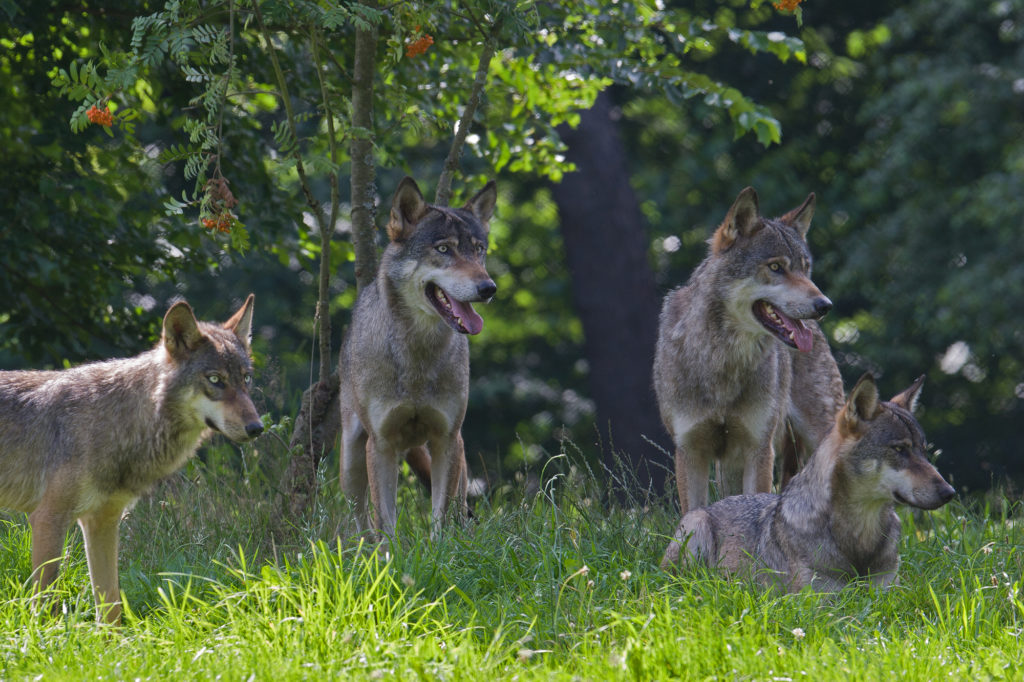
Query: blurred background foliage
904, 118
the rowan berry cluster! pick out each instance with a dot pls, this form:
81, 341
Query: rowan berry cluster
221, 223
787, 5
420, 45
101, 117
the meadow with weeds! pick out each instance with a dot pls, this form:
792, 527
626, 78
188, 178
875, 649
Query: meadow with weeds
557, 583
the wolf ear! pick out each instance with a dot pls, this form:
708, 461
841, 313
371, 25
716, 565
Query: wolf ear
241, 322
800, 217
181, 331
482, 203
908, 398
862, 406
407, 209
741, 221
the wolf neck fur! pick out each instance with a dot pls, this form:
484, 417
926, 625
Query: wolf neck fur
423, 333
821, 493
725, 345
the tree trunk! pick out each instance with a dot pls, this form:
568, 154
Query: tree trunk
616, 298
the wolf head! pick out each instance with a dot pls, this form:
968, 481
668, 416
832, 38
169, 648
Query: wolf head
888, 459
436, 256
213, 362
770, 265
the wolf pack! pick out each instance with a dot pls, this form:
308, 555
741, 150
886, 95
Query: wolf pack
745, 382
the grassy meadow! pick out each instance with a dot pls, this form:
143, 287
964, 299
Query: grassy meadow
551, 585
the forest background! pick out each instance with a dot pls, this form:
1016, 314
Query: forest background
618, 133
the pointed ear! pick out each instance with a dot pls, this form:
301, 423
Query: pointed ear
800, 217
861, 406
740, 221
407, 209
241, 322
908, 398
181, 331
482, 204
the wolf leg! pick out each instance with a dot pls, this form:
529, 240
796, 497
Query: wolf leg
382, 467
691, 478
100, 529
354, 477
447, 480
50, 522
693, 542
758, 469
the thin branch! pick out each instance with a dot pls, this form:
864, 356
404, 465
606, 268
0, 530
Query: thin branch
300, 168
324, 298
451, 164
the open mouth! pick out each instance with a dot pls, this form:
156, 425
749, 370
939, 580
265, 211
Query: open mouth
459, 315
791, 332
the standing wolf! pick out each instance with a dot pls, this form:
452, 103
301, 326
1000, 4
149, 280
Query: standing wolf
729, 388
405, 359
85, 443
835, 520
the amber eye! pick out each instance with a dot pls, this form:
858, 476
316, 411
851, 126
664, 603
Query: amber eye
901, 450
775, 267
442, 248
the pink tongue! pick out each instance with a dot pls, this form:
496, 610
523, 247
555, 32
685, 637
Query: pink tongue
472, 322
802, 336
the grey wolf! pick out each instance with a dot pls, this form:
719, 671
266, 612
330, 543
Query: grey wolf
405, 360
836, 520
85, 443
730, 387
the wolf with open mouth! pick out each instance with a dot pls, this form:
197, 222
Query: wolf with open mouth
405, 359
741, 366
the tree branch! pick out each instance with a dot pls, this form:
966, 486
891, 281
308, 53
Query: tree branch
451, 164
363, 167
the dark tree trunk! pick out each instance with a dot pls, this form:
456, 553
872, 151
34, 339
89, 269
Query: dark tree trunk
615, 296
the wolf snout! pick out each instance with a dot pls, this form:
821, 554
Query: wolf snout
821, 306
254, 428
486, 289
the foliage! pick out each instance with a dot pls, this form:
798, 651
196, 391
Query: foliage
905, 129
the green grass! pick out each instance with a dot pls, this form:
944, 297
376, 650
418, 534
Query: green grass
556, 586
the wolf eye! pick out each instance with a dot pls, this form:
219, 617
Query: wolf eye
214, 379
901, 450
775, 267
247, 379
442, 248
481, 249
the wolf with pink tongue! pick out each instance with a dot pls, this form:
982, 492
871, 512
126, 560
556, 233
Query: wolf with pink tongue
405, 359
741, 367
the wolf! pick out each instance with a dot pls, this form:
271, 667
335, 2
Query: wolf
85, 443
405, 360
835, 521
741, 367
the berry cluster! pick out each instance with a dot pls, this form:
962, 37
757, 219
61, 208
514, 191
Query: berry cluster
101, 117
787, 5
420, 45
221, 223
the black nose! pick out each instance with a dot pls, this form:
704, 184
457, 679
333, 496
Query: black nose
947, 494
822, 306
487, 289
253, 429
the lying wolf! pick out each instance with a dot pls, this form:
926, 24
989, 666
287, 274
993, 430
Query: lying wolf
836, 520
